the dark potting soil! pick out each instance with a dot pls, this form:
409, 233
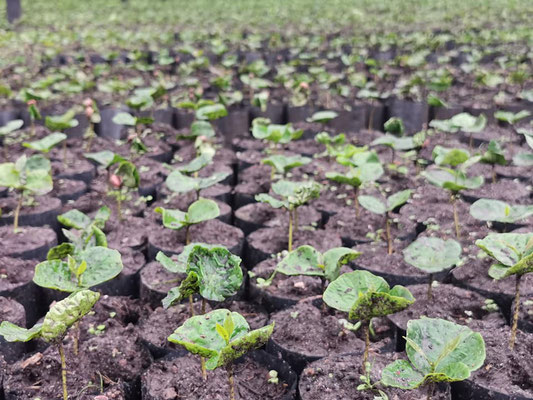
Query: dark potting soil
449, 302
306, 329
248, 158
12, 311
211, 232
156, 281
131, 232
76, 168
15, 272
337, 377
115, 354
243, 143
258, 215
526, 313
218, 191
40, 205
510, 191
506, 371
68, 189
307, 147
28, 239
333, 199
178, 379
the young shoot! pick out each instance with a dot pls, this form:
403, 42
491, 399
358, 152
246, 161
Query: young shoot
306, 260
179, 183
61, 123
47, 143
377, 206
438, 351
282, 164
221, 336
294, 195
513, 253
494, 156
334, 145
28, 176
463, 122
365, 296
451, 175
432, 255
61, 316
135, 134
199, 211
262, 129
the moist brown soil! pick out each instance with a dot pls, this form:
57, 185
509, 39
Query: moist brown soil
117, 355
15, 272
333, 199
306, 329
505, 371
28, 238
273, 240
12, 311
131, 232
76, 166
258, 215
156, 281
337, 377
67, 189
182, 202
510, 191
526, 313
449, 302
211, 232
42, 204
223, 155
178, 379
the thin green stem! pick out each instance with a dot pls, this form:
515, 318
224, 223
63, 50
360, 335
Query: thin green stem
366, 330
231, 381
389, 237
516, 313
17, 213
290, 231
187, 235
456, 217
63, 370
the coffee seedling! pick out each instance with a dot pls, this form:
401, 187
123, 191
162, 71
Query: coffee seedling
294, 195
513, 253
262, 129
179, 183
494, 156
57, 321
27, 176
375, 205
499, 211
283, 164
47, 143
221, 336
438, 351
432, 255
365, 296
199, 211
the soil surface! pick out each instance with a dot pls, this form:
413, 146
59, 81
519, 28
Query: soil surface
27, 240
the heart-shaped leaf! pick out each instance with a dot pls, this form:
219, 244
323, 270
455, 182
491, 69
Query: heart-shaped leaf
432, 254
496, 210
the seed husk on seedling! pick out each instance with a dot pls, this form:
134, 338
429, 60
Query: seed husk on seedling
438, 351
61, 316
221, 336
27, 176
513, 253
294, 195
432, 255
375, 205
365, 296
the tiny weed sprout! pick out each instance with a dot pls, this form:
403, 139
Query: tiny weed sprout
513, 253
494, 156
438, 351
306, 260
375, 205
221, 336
499, 211
28, 176
283, 164
365, 296
262, 129
294, 195
432, 255
199, 211
47, 143
61, 316
451, 175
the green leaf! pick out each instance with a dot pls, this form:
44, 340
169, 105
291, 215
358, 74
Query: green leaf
211, 112
172, 219
218, 270
169, 264
335, 258
180, 183
323, 116
61, 122
13, 333
350, 178
67, 312
202, 210
9, 175
397, 199
494, 154
275, 203
103, 264
363, 294
305, 260
196, 164
397, 143
372, 204
395, 125
454, 181
524, 159
401, 374
124, 118
11, 126
496, 210
129, 174
199, 128
283, 164
506, 248
510, 117
452, 157
61, 251
432, 255
105, 158
462, 121
74, 219
199, 336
